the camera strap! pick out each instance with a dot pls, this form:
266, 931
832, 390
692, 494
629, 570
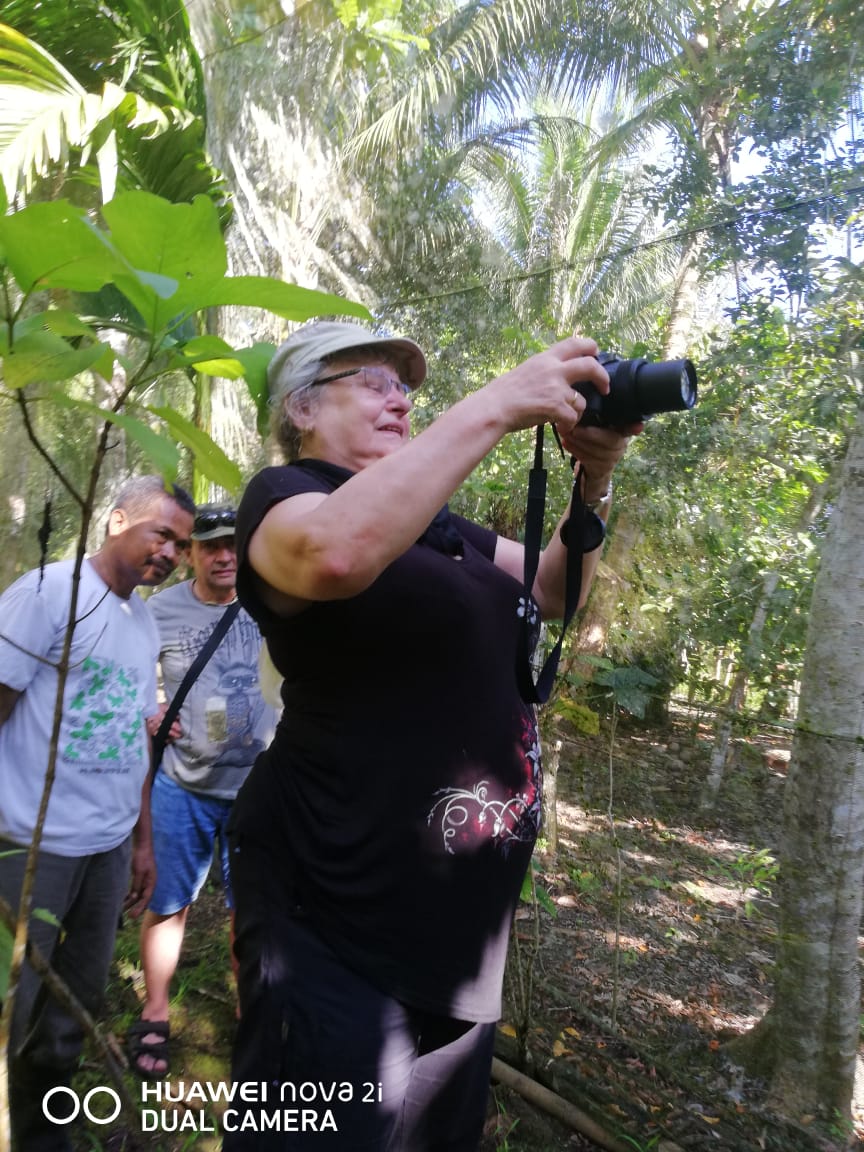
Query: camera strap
192, 673
531, 691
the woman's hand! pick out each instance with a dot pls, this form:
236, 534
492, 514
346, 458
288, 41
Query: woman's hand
542, 389
598, 450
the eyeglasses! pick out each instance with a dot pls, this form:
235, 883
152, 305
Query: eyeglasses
214, 518
374, 377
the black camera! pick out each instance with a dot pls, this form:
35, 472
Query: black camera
639, 389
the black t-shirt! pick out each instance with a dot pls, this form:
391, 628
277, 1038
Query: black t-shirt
403, 784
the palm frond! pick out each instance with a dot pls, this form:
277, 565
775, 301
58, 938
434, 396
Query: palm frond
462, 68
145, 46
48, 121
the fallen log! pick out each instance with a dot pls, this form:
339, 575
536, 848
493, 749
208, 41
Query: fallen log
555, 1106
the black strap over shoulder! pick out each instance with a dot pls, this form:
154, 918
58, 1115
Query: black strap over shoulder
582, 532
192, 673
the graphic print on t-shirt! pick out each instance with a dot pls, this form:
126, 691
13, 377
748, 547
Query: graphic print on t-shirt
102, 725
227, 691
466, 815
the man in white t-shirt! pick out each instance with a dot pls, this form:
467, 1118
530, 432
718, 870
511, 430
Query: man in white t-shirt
97, 824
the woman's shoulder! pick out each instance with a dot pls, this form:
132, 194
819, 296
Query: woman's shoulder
264, 491
281, 481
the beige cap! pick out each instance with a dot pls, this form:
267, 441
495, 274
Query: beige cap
324, 338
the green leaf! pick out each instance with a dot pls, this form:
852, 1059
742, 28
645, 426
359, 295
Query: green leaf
163, 286
178, 242
46, 358
47, 917
208, 354
163, 453
53, 246
61, 321
6, 942
205, 347
545, 900
209, 457
229, 369
286, 300
105, 364
532, 891
255, 361
526, 895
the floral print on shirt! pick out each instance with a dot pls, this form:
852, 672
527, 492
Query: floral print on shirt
466, 815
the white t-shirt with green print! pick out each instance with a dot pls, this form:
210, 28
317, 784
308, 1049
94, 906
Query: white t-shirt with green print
103, 751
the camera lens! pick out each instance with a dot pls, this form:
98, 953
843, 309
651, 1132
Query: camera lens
639, 389
688, 385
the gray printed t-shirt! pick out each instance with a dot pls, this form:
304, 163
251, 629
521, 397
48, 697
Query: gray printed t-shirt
225, 721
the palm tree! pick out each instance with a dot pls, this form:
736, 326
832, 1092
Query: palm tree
115, 86
690, 80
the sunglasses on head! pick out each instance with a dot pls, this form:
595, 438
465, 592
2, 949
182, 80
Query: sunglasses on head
214, 518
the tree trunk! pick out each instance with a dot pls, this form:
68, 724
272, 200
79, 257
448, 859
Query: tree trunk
723, 737
735, 700
551, 764
288, 192
815, 1015
684, 299
606, 591
752, 654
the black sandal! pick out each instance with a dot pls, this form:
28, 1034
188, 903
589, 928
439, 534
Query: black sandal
137, 1046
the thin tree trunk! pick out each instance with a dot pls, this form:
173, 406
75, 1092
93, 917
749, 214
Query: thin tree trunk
550, 798
602, 604
735, 700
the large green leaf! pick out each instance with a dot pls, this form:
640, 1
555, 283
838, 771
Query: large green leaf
183, 242
180, 242
287, 300
209, 457
43, 357
54, 246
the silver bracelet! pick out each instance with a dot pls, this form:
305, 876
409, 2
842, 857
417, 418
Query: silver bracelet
601, 501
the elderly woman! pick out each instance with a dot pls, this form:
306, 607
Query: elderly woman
380, 844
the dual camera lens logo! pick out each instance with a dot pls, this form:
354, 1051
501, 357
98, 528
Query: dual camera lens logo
61, 1105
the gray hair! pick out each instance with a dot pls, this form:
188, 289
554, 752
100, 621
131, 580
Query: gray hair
138, 495
300, 396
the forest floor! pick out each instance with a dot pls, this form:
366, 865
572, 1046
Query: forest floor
650, 946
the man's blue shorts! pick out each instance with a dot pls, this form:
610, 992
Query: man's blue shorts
186, 827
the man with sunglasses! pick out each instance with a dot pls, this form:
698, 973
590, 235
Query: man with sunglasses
222, 726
